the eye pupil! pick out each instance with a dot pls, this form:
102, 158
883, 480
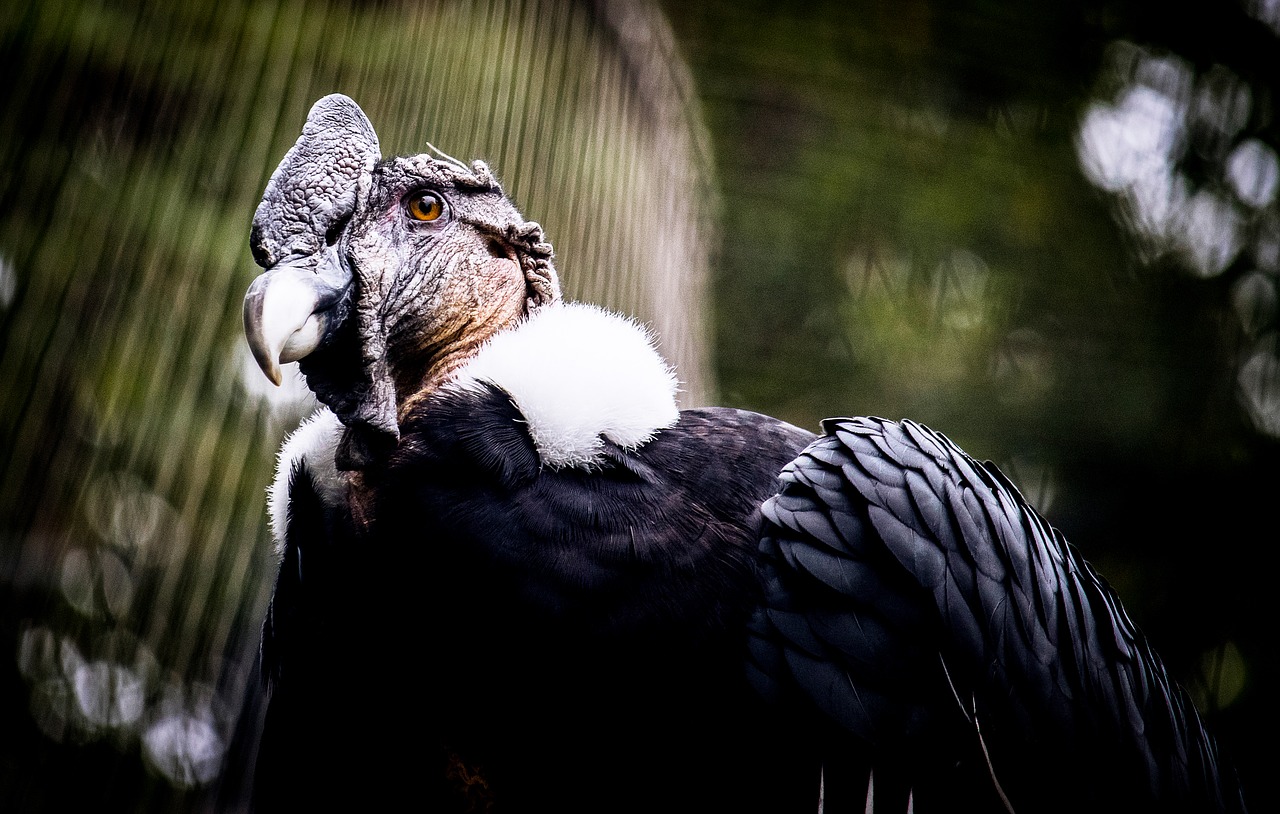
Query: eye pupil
425, 206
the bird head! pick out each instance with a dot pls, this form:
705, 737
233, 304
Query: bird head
383, 275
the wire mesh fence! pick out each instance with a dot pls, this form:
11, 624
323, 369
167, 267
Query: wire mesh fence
138, 436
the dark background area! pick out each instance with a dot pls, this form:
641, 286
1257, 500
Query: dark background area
1048, 230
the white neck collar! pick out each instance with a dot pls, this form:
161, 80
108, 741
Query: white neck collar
579, 374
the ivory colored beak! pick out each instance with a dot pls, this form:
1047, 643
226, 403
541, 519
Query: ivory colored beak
281, 318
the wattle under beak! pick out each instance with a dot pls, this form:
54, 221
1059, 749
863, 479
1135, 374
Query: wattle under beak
288, 311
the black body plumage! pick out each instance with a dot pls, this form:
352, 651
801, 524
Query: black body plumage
672, 632
569, 640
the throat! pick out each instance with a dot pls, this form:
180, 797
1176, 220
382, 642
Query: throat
444, 359
443, 369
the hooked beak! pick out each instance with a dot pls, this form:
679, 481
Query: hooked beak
288, 313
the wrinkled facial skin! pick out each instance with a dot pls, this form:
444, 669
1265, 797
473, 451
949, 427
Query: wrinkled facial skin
378, 299
428, 293
422, 295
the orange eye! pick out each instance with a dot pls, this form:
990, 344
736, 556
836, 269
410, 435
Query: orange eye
425, 206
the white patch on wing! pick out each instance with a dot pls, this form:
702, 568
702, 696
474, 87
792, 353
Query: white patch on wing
579, 373
312, 444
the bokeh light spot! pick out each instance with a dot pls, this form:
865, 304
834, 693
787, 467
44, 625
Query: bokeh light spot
1254, 173
1254, 299
108, 694
77, 581
1259, 385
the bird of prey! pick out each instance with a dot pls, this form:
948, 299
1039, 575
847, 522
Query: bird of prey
515, 577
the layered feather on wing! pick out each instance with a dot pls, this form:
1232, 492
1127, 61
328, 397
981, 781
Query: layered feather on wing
917, 599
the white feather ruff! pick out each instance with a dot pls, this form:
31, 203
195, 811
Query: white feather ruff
313, 444
579, 373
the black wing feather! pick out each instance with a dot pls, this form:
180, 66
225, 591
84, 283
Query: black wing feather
1076, 711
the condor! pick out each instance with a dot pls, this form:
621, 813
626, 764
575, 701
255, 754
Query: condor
516, 578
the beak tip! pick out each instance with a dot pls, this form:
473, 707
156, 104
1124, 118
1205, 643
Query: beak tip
280, 320
267, 364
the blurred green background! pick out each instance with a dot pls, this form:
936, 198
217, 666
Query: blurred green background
1049, 230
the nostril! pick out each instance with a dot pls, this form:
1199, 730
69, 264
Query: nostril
335, 230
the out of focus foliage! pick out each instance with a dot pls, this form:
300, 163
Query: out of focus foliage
1049, 230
